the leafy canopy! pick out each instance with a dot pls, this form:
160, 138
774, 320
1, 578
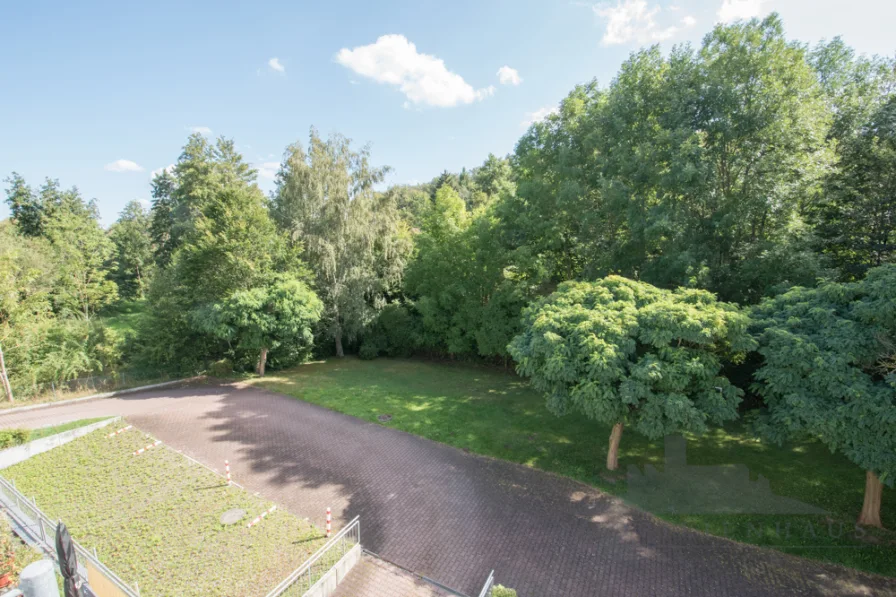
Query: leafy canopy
829, 368
354, 240
278, 316
621, 351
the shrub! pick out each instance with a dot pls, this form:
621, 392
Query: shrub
221, 368
501, 591
395, 332
13, 437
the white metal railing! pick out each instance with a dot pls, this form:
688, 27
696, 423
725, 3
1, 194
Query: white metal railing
303, 578
487, 587
42, 531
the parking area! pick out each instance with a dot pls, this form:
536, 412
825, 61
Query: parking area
449, 515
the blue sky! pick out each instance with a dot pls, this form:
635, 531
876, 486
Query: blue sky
100, 94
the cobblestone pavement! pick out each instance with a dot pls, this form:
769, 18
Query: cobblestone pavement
373, 577
453, 516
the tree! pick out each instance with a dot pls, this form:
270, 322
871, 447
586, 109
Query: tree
827, 373
133, 254
24, 206
71, 225
687, 170
856, 221
202, 171
468, 301
854, 86
276, 317
352, 236
82, 251
627, 353
40, 345
163, 229
223, 241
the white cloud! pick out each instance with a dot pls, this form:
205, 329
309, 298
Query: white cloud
274, 63
632, 20
124, 166
689, 21
538, 115
267, 170
423, 78
144, 202
202, 130
732, 10
169, 169
509, 76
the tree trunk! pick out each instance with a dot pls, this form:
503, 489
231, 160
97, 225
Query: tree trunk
4, 377
870, 515
613, 452
262, 360
339, 352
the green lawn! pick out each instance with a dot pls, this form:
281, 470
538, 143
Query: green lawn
494, 413
125, 317
17, 437
154, 518
41, 432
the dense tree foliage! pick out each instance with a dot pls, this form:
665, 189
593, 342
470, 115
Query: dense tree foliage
353, 238
221, 240
275, 318
828, 372
690, 169
53, 280
133, 257
468, 302
628, 353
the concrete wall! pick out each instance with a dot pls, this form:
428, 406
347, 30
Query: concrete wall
17, 454
326, 586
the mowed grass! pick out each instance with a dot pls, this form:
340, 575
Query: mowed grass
125, 317
496, 414
155, 518
42, 432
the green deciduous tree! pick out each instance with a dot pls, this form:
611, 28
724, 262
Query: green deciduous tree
277, 317
627, 353
41, 345
856, 220
687, 170
133, 255
82, 251
468, 300
353, 237
828, 373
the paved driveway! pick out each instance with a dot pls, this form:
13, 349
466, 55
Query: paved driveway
453, 516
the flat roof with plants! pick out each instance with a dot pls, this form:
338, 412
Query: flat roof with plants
155, 518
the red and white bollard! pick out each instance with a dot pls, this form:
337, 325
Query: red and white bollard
114, 433
328, 522
227, 470
152, 445
260, 517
